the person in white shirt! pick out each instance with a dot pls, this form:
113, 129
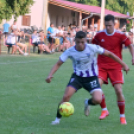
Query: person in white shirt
84, 59
12, 40
14, 26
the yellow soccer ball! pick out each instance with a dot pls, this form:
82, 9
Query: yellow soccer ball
66, 109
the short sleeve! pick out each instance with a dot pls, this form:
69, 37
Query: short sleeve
48, 29
125, 40
64, 56
98, 49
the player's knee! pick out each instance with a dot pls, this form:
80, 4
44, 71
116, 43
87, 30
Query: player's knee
97, 100
119, 92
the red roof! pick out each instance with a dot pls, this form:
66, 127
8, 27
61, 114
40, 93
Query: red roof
87, 8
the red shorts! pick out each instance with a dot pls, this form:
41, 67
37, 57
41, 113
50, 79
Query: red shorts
115, 76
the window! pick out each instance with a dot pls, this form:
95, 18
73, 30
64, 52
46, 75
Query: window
26, 20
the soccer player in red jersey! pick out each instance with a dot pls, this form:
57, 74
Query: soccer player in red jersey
113, 41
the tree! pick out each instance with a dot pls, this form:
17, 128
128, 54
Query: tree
121, 6
14, 7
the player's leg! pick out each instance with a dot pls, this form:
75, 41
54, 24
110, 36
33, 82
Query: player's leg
71, 88
66, 97
92, 85
103, 79
96, 99
120, 102
116, 77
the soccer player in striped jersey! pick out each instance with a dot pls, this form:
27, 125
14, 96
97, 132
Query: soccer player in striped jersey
84, 59
113, 41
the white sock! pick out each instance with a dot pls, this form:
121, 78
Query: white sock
57, 119
86, 102
104, 109
122, 115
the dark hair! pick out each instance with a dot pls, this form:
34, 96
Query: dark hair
51, 24
109, 17
80, 35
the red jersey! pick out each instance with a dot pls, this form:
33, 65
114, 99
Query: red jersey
113, 43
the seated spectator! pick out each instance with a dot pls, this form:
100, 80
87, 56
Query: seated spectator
66, 40
41, 44
90, 36
72, 36
60, 36
21, 41
12, 42
35, 37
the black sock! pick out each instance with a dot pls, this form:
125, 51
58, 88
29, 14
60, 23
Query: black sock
58, 113
90, 102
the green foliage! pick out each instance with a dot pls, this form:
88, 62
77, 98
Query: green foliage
121, 6
14, 7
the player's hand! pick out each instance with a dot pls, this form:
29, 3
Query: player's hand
126, 68
48, 79
132, 61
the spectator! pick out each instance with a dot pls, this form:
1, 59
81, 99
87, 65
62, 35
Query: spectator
50, 35
21, 41
35, 37
41, 44
6, 27
60, 35
14, 26
72, 36
12, 42
66, 40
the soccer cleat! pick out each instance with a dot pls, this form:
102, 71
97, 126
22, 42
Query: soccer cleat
86, 108
123, 120
104, 114
55, 122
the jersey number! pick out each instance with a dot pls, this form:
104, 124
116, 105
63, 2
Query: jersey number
93, 84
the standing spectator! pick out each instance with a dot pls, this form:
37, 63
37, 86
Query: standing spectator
51, 40
6, 27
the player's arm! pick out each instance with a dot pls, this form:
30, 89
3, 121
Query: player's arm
117, 59
53, 70
131, 49
127, 43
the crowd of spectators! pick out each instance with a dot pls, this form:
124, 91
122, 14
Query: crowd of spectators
56, 40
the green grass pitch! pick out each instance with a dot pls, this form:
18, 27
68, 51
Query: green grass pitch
28, 104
